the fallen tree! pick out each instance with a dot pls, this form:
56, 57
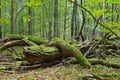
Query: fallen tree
39, 50
56, 49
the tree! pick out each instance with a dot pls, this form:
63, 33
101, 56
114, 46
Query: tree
56, 27
0, 19
73, 20
12, 17
65, 16
50, 22
30, 22
80, 34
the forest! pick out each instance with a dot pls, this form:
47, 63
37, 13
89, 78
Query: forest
59, 39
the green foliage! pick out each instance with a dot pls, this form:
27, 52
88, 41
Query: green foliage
4, 21
97, 13
42, 18
115, 26
26, 19
34, 3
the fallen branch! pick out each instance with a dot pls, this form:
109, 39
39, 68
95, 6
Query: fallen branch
103, 62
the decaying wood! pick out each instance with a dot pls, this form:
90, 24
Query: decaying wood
70, 50
12, 44
56, 49
40, 50
103, 62
40, 54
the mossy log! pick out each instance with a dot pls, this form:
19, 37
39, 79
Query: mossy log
103, 62
36, 40
97, 62
57, 49
15, 40
12, 44
40, 54
70, 50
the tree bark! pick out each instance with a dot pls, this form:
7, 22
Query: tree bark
65, 16
12, 16
73, 19
56, 27
80, 35
0, 19
30, 23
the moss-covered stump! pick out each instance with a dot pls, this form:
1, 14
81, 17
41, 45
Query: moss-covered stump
70, 50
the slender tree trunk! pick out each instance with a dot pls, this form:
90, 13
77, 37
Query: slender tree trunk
30, 23
72, 23
50, 23
4, 15
117, 11
12, 16
0, 18
56, 27
65, 16
48, 15
76, 24
73, 20
113, 11
117, 18
43, 19
80, 35
19, 22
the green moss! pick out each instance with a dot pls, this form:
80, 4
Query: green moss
43, 50
29, 42
105, 63
34, 39
74, 51
13, 36
37, 40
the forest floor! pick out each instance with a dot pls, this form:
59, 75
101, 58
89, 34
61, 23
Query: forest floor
61, 71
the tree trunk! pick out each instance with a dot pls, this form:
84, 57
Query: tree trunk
65, 16
80, 35
30, 23
0, 19
73, 20
50, 22
12, 16
56, 27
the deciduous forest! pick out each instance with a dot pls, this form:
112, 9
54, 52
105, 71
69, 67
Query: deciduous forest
59, 39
